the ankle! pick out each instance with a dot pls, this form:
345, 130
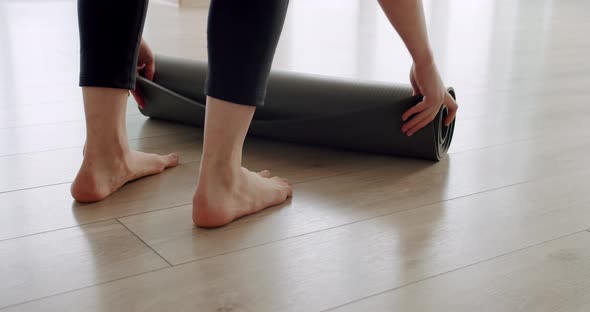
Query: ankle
103, 150
224, 175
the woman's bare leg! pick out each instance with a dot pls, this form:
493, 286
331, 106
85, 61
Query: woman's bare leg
241, 39
226, 190
108, 162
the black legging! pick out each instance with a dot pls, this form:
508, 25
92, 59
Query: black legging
241, 41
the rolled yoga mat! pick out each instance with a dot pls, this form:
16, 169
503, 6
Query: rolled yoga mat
308, 109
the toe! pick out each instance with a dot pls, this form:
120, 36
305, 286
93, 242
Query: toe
281, 180
289, 191
171, 160
284, 186
143, 164
264, 174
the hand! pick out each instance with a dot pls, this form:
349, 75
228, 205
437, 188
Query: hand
426, 81
146, 66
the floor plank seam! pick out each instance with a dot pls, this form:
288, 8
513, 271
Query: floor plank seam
88, 223
43, 151
329, 176
342, 225
122, 216
54, 230
55, 123
505, 143
494, 145
141, 240
453, 270
325, 310
287, 238
175, 206
185, 204
60, 183
34, 187
296, 183
80, 146
80, 288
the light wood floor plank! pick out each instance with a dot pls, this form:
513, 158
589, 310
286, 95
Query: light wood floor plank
496, 129
60, 166
24, 214
547, 278
325, 269
468, 173
50, 208
50, 263
493, 104
346, 198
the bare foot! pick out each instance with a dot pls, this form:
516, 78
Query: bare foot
221, 198
100, 176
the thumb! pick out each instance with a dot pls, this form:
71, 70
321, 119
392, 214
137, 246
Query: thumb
150, 70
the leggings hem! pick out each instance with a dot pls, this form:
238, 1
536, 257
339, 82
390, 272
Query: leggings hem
109, 82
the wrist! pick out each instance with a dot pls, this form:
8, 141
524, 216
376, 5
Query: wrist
423, 58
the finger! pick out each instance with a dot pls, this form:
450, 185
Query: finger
414, 110
417, 119
140, 67
452, 107
422, 124
425, 104
150, 70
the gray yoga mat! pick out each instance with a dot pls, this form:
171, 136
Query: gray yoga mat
308, 109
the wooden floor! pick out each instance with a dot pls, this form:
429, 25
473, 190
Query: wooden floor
501, 224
